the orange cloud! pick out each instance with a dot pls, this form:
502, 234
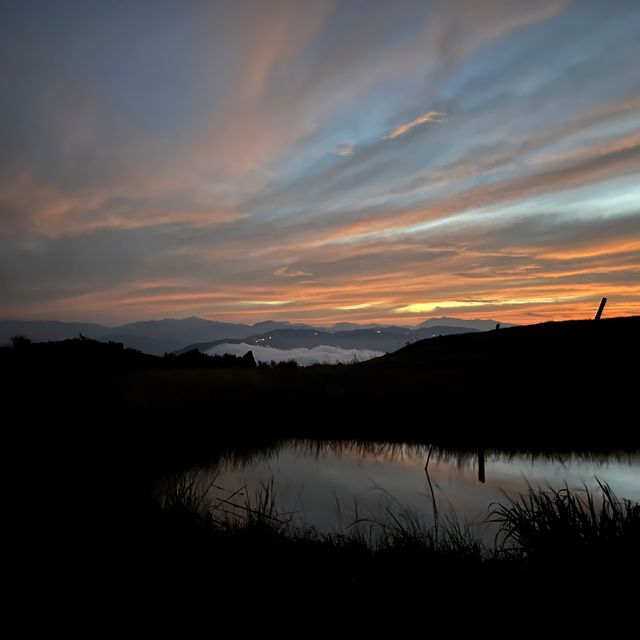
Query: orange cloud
400, 130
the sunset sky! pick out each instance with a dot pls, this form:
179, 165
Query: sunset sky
319, 160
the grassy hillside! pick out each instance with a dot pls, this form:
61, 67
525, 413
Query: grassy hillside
569, 385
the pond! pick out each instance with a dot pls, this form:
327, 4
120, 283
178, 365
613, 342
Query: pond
330, 485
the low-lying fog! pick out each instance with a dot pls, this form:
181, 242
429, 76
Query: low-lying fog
303, 356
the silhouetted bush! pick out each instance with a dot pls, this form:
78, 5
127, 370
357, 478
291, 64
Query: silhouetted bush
20, 342
285, 364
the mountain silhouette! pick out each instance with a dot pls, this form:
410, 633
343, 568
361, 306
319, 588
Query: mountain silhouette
158, 337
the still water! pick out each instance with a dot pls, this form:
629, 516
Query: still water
329, 485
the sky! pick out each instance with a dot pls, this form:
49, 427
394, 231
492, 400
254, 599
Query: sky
319, 161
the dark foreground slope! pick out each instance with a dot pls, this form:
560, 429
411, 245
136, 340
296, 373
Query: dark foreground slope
89, 430
570, 344
559, 383
569, 385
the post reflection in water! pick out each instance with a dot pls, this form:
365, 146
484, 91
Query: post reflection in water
481, 476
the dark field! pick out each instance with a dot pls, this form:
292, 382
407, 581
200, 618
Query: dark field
94, 429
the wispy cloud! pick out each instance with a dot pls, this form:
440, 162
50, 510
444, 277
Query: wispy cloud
346, 149
356, 307
400, 130
430, 307
287, 272
266, 303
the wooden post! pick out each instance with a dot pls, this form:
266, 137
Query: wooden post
481, 476
601, 308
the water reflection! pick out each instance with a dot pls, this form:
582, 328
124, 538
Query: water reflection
481, 474
331, 484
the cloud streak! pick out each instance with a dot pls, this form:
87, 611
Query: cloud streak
402, 129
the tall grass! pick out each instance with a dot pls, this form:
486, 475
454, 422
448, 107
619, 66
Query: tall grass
242, 509
196, 495
562, 522
403, 528
551, 524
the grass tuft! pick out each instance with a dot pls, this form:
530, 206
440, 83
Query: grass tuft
556, 523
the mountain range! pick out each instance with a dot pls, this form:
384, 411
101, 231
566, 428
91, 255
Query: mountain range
387, 339
178, 335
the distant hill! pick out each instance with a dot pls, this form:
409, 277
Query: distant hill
270, 325
164, 336
41, 330
351, 326
479, 325
534, 348
81, 356
387, 339
157, 337
152, 346
191, 329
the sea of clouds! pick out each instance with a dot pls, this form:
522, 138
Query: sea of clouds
303, 356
